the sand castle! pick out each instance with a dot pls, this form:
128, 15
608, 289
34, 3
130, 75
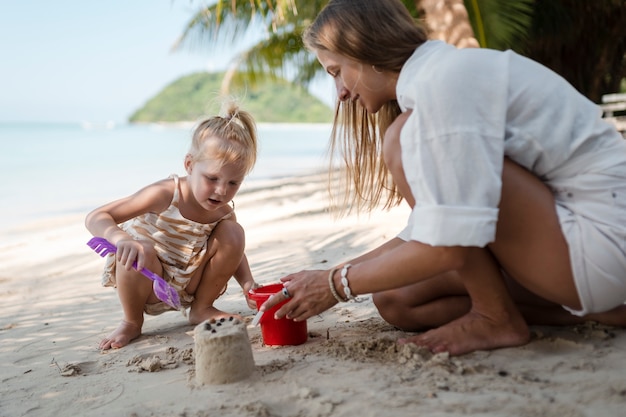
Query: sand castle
223, 351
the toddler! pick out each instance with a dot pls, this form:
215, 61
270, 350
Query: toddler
183, 229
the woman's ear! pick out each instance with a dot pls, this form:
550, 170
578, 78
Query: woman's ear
188, 163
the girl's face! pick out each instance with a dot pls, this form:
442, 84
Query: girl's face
212, 183
357, 81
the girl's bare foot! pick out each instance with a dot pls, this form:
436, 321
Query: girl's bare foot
121, 336
473, 332
198, 315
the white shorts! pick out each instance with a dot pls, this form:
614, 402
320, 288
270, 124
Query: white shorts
592, 213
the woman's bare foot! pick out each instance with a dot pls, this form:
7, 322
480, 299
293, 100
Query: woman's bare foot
472, 332
121, 336
198, 315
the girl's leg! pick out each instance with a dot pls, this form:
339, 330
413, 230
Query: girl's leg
224, 254
134, 291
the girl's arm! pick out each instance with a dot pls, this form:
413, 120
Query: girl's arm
243, 275
104, 221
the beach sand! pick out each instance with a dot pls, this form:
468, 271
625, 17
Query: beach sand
54, 313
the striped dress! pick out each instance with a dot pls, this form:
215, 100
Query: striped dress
180, 243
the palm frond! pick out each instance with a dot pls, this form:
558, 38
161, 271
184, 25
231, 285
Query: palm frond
500, 24
216, 23
278, 48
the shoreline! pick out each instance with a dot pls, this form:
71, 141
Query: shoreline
55, 312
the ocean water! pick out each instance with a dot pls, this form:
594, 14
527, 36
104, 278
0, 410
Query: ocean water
51, 170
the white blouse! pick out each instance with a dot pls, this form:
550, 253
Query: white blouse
471, 107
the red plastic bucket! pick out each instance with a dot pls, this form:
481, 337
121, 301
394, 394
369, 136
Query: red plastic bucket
281, 332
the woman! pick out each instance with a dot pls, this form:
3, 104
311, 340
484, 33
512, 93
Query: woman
516, 184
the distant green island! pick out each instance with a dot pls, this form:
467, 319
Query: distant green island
196, 96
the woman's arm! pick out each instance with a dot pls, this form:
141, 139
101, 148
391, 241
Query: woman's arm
404, 264
397, 264
380, 250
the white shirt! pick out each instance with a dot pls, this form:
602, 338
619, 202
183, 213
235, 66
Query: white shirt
471, 107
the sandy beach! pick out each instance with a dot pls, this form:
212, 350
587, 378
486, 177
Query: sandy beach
55, 312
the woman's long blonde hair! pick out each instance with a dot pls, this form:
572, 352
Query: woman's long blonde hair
381, 33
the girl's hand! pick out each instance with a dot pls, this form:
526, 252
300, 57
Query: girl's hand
309, 295
250, 285
130, 251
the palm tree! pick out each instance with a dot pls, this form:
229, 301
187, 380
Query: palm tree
280, 48
585, 41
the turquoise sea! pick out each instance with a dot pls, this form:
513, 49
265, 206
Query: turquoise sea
50, 170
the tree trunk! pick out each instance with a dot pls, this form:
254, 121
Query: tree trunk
448, 21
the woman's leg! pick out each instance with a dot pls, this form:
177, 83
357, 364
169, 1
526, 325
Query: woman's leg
224, 254
529, 243
539, 311
437, 301
493, 321
424, 305
531, 248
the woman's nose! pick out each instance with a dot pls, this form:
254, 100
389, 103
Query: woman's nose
343, 94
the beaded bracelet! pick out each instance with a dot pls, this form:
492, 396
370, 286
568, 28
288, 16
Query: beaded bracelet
346, 285
331, 284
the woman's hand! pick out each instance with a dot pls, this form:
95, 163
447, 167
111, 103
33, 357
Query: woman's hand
309, 295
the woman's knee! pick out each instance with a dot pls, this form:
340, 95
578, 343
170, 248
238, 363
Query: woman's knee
391, 145
392, 156
391, 307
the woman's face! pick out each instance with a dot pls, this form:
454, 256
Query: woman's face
356, 81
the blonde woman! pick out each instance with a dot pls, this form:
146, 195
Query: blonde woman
516, 184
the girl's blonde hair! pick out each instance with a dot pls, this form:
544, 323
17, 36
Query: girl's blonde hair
237, 130
381, 33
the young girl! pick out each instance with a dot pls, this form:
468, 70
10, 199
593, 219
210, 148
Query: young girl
183, 229
516, 184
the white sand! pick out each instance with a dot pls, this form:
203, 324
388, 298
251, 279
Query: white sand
54, 313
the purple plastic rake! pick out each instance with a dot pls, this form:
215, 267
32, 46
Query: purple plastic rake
164, 291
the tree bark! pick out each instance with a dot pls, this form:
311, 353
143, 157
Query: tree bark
448, 21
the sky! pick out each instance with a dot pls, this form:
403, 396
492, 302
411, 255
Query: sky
93, 61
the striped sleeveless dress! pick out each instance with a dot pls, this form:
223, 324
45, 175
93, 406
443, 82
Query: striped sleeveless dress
180, 243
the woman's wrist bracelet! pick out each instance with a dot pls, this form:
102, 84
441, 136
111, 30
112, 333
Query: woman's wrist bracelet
331, 284
346, 284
